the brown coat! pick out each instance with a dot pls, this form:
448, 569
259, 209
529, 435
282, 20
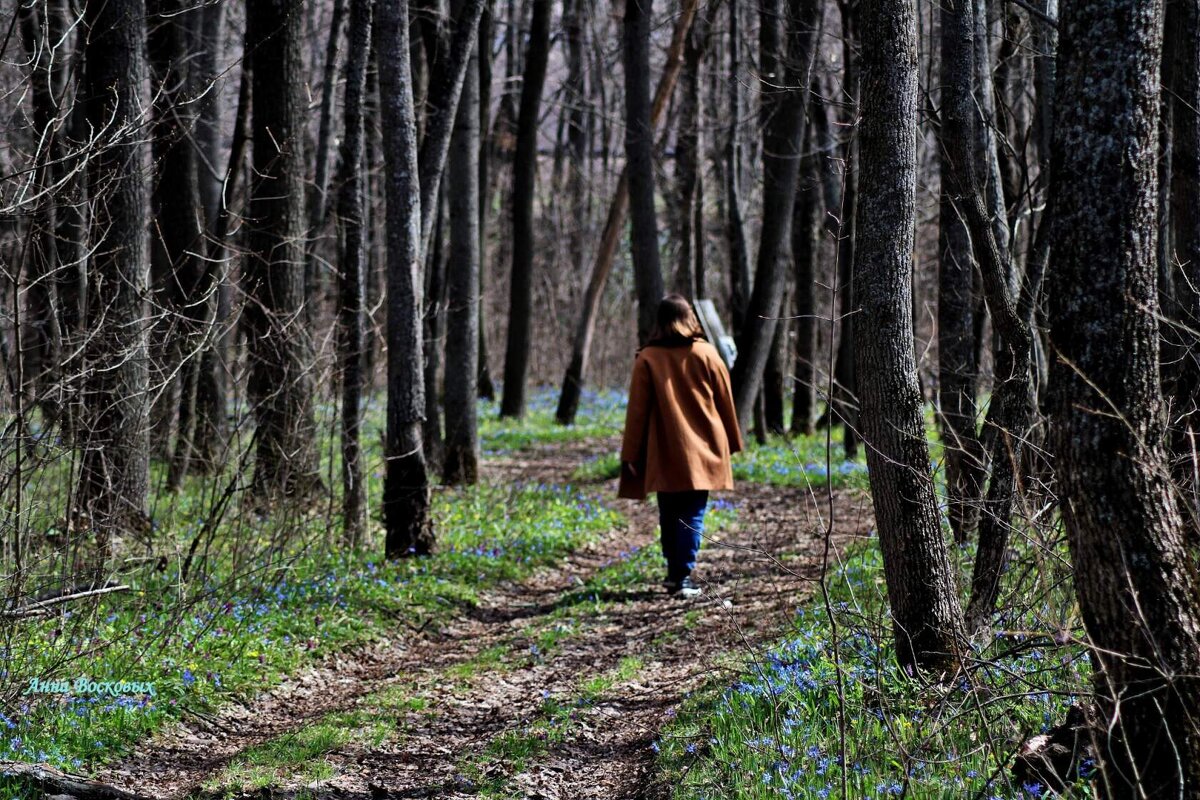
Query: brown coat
680, 424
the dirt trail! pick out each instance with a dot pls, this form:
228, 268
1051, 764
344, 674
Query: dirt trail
484, 676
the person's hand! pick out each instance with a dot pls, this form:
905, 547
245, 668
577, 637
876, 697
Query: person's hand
631, 468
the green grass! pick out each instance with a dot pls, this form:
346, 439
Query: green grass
233, 639
775, 733
601, 414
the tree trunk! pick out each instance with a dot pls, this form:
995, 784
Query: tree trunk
774, 380
433, 321
179, 245
739, 256
806, 249
115, 403
927, 619
279, 348
845, 400
958, 371
520, 316
42, 337
639, 154
783, 139
352, 285
461, 454
406, 481
318, 201
202, 401
689, 155
1134, 577
487, 389
1182, 78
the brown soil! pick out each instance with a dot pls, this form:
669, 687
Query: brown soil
754, 576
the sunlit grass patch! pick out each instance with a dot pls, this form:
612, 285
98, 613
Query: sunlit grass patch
601, 414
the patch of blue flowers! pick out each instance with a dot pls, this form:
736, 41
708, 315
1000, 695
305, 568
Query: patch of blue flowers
774, 733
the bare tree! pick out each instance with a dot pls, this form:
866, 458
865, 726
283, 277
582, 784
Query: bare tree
926, 615
352, 284
280, 351
516, 355
1134, 577
639, 154
115, 401
461, 456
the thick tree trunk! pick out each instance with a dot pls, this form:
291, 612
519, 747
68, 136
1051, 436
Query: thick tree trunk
352, 284
783, 139
1135, 579
280, 350
639, 154
461, 454
520, 313
113, 434
406, 480
927, 619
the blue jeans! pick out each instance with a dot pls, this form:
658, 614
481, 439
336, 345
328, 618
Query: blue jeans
681, 517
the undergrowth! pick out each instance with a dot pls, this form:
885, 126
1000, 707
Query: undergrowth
776, 734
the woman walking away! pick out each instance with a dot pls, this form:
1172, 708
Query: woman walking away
680, 429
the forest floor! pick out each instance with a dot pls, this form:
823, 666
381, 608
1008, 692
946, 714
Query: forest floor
554, 687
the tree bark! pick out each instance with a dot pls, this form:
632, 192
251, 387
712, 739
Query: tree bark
42, 338
927, 619
179, 245
844, 403
279, 348
639, 155
735, 226
406, 480
318, 201
806, 249
689, 153
783, 138
958, 370
115, 402
461, 455
352, 283
1134, 577
520, 322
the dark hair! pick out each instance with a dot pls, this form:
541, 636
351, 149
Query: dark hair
675, 323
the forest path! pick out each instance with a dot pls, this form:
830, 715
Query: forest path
555, 687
